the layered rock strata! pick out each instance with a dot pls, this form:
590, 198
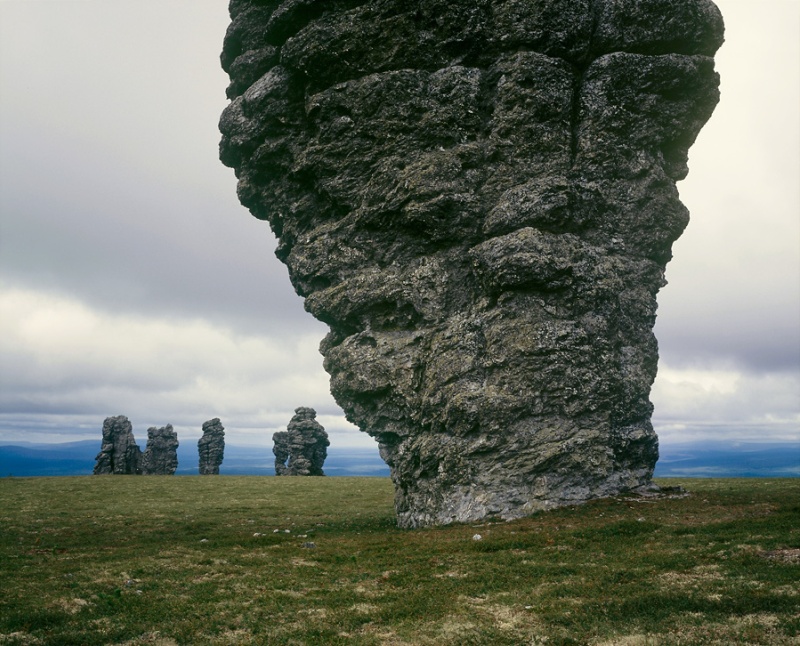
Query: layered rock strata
211, 447
301, 449
160, 456
478, 197
119, 453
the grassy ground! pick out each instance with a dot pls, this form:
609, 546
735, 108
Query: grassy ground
253, 560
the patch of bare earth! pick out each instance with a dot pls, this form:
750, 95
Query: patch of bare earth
382, 635
19, 638
629, 640
789, 556
693, 578
761, 628
72, 606
153, 639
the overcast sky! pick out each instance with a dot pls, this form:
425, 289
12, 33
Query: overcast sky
132, 282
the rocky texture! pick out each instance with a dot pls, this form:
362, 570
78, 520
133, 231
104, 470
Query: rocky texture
119, 453
160, 456
302, 448
478, 197
211, 447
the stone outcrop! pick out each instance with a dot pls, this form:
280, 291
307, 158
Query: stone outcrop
478, 197
211, 447
160, 456
119, 453
302, 448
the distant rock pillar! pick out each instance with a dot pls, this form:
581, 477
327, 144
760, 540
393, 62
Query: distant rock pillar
304, 444
161, 453
211, 447
119, 453
281, 450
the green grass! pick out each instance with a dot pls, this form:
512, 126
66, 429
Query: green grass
197, 560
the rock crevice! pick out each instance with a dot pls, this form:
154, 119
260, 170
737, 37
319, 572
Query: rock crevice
478, 197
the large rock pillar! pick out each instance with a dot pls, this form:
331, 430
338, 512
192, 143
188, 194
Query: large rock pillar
478, 197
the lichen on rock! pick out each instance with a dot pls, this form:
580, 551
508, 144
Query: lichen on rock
478, 197
301, 449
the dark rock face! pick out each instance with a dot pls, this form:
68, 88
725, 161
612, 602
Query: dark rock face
211, 447
119, 453
478, 197
160, 456
301, 449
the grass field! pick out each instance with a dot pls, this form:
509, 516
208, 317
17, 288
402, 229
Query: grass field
255, 560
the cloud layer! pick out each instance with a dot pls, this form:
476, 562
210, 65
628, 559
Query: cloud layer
73, 361
134, 283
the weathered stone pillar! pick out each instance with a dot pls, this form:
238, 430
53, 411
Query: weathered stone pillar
302, 448
211, 447
119, 453
160, 456
478, 197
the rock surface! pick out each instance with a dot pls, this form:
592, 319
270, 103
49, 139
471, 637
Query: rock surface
119, 453
211, 447
478, 197
302, 448
160, 456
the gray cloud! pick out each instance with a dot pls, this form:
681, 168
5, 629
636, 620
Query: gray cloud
124, 240
111, 186
734, 292
134, 283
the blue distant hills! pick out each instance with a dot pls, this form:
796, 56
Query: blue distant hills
727, 460
77, 459
698, 460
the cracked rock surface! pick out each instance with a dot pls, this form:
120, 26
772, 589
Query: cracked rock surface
119, 453
301, 449
160, 456
478, 197
211, 447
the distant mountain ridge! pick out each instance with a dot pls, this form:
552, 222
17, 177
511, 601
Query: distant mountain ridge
698, 460
729, 460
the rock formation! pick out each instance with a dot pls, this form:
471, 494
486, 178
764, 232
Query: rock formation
160, 456
478, 197
211, 447
302, 448
119, 453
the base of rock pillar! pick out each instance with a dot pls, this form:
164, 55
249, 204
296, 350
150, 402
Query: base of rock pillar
443, 479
